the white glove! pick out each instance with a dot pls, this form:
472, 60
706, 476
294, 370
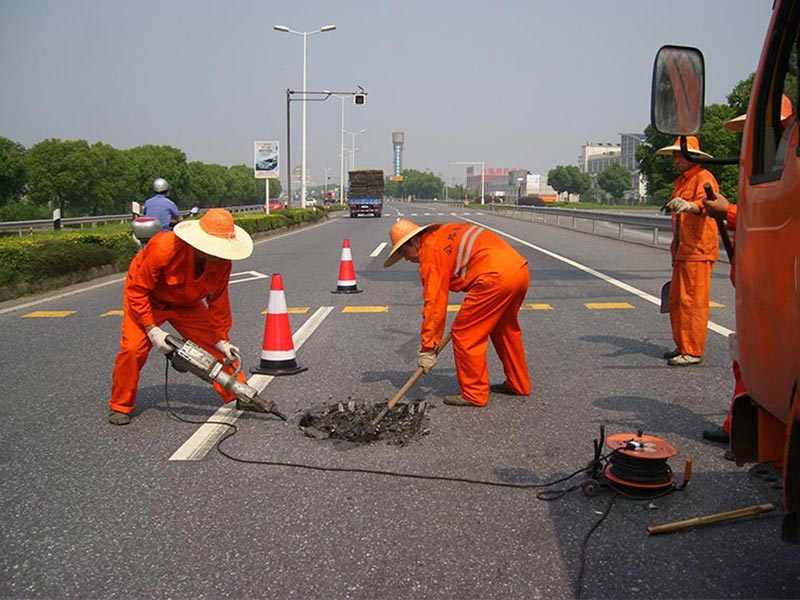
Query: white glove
230, 351
158, 337
679, 205
426, 360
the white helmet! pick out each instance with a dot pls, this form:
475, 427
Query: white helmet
160, 185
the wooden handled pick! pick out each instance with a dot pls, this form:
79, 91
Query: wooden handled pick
407, 386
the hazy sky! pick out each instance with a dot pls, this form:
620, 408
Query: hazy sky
512, 83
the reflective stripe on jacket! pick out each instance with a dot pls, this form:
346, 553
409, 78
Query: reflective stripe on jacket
451, 258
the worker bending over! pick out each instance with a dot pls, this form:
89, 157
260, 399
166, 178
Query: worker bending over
180, 276
462, 257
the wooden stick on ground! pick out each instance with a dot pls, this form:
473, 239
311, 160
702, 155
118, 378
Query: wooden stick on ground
709, 519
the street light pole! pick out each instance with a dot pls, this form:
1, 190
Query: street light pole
353, 135
326, 169
305, 35
483, 168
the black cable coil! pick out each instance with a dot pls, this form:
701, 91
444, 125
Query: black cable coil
646, 471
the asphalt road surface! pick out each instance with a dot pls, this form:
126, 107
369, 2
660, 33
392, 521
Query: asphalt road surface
154, 510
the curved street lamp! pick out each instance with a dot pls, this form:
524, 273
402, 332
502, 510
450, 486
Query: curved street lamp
305, 35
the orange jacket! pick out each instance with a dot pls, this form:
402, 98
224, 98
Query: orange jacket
697, 238
163, 276
451, 258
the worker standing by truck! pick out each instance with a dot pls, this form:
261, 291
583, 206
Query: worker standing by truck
694, 251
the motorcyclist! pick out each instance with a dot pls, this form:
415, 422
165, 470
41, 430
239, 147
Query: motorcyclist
161, 207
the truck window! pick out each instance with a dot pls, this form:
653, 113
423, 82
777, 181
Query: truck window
771, 131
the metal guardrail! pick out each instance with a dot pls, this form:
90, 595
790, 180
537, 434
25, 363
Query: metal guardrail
645, 228
39, 225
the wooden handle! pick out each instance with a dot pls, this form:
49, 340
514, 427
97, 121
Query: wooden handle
708, 519
413, 379
721, 225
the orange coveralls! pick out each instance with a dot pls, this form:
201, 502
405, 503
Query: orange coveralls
694, 248
162, 286
462, 257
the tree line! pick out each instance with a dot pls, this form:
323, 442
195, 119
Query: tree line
85, 179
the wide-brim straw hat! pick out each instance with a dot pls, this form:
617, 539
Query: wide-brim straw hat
401, 231
737, 123
692, 145
215, 234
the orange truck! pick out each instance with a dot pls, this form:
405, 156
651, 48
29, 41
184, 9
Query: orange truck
766, 418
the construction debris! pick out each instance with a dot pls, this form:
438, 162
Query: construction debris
352, 422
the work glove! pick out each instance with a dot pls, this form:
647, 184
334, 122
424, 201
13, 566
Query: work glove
158, 337
230, 351
426, 360
679, 205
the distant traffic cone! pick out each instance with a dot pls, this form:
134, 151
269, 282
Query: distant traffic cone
347, 274
277, 355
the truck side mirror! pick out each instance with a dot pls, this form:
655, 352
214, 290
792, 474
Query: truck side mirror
678, 90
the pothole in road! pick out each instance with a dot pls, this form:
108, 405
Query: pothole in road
349, 424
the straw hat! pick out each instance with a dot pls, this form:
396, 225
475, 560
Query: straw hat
692, 144
737, 123
215, 234
402, 231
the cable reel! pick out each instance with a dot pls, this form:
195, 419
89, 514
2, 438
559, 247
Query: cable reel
637, 463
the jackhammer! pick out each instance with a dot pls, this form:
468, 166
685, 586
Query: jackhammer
189, 357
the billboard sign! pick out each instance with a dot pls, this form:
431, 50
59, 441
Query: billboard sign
265, 160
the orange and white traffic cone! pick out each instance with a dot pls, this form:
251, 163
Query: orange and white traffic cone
347, 274
277, 355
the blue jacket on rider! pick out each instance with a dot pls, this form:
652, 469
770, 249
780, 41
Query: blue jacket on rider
163, 209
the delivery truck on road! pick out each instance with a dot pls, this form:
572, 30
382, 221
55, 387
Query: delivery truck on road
365, 192
766, 418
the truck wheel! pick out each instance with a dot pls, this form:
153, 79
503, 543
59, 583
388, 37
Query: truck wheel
352, 215
378, 214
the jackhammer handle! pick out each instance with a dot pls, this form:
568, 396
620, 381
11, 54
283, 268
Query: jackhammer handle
721, 225
238, 368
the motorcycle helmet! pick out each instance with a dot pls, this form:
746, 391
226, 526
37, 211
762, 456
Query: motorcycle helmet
160, 186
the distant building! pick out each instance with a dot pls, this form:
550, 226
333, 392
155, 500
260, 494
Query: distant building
596, 158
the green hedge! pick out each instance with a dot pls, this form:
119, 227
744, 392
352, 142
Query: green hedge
29, 262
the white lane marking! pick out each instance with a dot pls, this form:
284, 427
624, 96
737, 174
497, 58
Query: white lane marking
207, 435
723, 331
246, 276
378, 250
122, 278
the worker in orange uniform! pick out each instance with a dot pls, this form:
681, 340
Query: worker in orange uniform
720, 208
694, 249
462, 257
180, 276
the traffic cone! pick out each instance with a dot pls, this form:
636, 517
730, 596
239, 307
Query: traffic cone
347, 274
277, 355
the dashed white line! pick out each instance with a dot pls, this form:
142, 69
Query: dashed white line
715, 327
378, 250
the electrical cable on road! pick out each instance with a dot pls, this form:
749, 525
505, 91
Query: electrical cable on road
651, 479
